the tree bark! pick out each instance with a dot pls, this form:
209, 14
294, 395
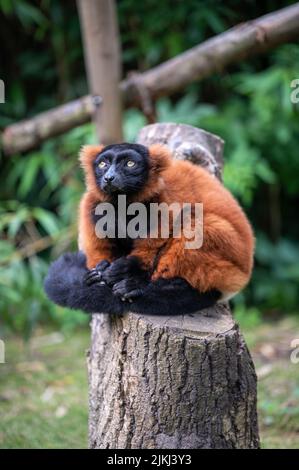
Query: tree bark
102, 57
176, 382
211, 56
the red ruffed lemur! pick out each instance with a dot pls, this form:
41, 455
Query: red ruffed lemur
152, 275
222, 265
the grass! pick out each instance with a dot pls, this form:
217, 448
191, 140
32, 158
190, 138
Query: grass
43, 393
278, 382
43, 388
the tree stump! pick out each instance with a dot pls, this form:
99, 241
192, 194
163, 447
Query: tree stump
179, 382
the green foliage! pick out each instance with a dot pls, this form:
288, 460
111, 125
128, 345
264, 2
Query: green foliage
38, 225
150, 34
248, 318
276, 277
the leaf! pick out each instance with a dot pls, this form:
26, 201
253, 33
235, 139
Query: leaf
264, 171
28, 14
29, 175
47, 220
19, 218
6, 6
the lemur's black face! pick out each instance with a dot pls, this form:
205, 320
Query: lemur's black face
122, 168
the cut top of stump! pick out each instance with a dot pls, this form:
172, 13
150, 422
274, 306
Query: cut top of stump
209, 322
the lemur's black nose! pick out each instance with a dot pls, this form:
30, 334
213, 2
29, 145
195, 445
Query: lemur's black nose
109, 178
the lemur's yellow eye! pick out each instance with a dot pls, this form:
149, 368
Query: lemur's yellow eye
102, 164
130, 163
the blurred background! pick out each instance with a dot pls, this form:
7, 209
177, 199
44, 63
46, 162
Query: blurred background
43, 384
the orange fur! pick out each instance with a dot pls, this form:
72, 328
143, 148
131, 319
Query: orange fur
225, 259
96, 249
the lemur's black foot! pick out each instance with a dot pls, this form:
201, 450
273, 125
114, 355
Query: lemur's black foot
129, 289
95, 276
121, 269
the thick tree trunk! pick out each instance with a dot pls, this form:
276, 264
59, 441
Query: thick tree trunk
211, 56
172, 382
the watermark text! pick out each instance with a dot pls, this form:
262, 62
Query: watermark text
2, 352
295, 92
154, 220
2, 92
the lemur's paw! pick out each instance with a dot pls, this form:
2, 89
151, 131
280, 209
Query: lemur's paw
128, 289
102, 265
122, 268
95, 276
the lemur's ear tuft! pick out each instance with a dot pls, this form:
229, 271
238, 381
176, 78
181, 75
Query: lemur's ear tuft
88, 153
160, 157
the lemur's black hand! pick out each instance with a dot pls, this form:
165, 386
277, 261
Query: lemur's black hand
121, 269
129, 289
95, 276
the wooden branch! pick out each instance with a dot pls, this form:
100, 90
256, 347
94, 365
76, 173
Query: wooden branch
199, 62
102, 57
177, 382
28, 134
